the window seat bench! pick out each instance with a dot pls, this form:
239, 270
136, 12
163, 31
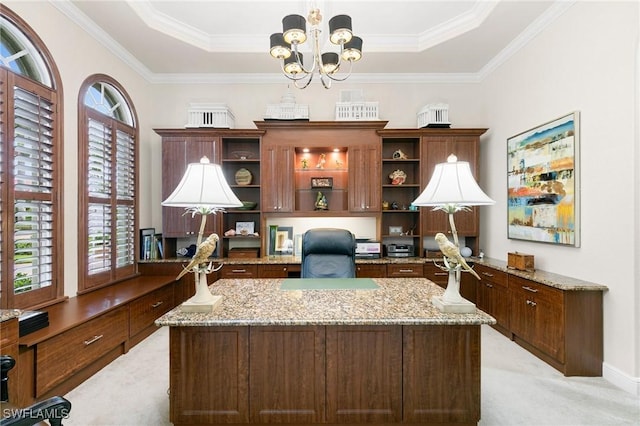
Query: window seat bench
87, 332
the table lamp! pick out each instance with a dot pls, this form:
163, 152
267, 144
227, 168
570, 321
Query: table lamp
452, 188
203, 190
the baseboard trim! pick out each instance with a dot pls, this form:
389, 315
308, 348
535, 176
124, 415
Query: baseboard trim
621, 379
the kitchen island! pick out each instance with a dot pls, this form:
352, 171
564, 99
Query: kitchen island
344, 354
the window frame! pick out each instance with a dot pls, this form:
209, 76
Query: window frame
53, 293
87, 282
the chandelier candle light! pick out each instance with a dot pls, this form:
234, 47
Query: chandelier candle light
452, 188
284, 46
203, 190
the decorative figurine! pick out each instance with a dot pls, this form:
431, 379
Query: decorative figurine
305, 163
399, 155
321, 202
394, 205
385, 205
321, 162
397, 177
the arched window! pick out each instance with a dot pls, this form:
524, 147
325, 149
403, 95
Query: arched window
108, 169
31, 228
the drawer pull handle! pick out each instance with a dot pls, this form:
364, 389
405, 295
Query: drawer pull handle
406, 270
238, 271
531, 303
532, 290
93, 340
155, 305
489, 285
486, 274
440, 273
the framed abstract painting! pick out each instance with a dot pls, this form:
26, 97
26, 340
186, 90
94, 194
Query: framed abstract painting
543, 183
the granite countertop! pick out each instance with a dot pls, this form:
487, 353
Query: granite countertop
260, 302
548, 278
7, 314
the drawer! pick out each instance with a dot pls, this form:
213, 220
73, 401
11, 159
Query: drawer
490, 275
65, 354
404, 270
239, 271
534, 289
9, 333
371, 271
279, 271
146, 309
435, 274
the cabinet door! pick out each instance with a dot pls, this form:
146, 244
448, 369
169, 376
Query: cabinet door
537, 316
277, 178
371, 271
177, 153
287, 375
435, 150
493, 296
364, 176
364, 374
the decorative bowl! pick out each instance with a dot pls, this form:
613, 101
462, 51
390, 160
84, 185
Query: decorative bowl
242, 155
243, 177
248, 205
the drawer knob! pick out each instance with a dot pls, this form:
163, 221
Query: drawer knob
93, 340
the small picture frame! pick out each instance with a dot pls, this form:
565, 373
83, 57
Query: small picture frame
245, 228
321, 182
395, 230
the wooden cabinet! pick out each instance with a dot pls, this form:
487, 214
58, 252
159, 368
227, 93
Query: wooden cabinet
299, 365
277, 170
369, 270
402, 270
178, 150
364, 175
279, 271
239, 271
437, 145
537, 316
493, 296
83, 345
146, 309
364, 374
429, 396
9, 331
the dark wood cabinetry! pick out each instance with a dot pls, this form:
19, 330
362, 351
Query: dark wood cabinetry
364, 173
403, 270
493, 296
370, 270
277, 171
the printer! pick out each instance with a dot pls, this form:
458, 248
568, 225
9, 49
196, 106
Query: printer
368, 250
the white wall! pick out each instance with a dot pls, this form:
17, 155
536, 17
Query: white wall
584, 61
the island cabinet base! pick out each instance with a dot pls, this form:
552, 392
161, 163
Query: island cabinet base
335, 374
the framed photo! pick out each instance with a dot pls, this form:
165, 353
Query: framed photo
244, 228
395, 230
284, 240
543, 180
321, 182
146, 242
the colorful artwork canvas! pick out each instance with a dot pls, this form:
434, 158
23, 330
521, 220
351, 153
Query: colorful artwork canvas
543, 183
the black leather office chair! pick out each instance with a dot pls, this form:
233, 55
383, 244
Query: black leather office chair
53, 409
328, 253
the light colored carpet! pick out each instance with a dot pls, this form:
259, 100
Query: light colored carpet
517, 389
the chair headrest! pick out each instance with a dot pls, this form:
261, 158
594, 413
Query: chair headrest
328, 241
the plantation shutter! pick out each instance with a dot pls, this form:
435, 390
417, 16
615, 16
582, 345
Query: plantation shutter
111, 194
33, 172
3, 181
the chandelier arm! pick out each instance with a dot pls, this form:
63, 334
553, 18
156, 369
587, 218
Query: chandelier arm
305, 70
347, 75
325, 83
296, 82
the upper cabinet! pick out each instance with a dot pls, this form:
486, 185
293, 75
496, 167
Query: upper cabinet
178, 150
320, 168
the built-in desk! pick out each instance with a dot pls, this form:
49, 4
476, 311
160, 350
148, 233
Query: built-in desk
378, 356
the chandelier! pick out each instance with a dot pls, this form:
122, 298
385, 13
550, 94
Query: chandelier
284, 46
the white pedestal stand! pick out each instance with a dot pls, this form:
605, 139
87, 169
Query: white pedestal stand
451, 301
203, 300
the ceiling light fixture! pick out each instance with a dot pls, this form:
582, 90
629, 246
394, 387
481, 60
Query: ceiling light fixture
284, 46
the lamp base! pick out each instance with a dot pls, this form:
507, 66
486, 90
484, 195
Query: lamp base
208, 306
462, 306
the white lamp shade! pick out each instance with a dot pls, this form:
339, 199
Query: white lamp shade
452, 183
203, 185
